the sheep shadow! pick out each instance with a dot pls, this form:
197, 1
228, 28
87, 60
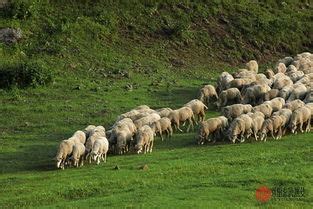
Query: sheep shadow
177, 96
30, 158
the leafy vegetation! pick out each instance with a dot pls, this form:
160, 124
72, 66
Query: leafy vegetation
87, 53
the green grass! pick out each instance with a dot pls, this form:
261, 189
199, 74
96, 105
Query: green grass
169, 51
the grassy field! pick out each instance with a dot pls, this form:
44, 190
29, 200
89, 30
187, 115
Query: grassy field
167, 51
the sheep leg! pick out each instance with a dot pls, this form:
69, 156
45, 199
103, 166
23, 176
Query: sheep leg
272, 134
190, 124
255, 135
301, 127
81, 161
105, 157
178, 126
151, 146
98, 160
171, 131
161, 135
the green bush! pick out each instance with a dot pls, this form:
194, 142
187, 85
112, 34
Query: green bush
21, 9
31, 73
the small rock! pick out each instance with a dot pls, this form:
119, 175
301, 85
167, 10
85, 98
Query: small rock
10, 35
144, 167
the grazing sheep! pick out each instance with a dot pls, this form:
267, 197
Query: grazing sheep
300, 117
285, 115
228, 97
222, 81
100, 149
78, 154
239, 83
164, 112
209, 127
274, 126
99, 131
236, 130
208, 93
295, 76
64, 151
280, 68
271, 94
287, 61
144, 140
148, 120
298, 92
198, 108
276, 103
285, 92
269, 73
182, 115
255, 94
122, 136
88, 130
78, 137
164, 124
252, 65
266, 109
309, 96
131, 114
281, 80
233, 111
257, 123
295, 104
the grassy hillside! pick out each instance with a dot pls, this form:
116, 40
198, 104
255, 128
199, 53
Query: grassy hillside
95, 50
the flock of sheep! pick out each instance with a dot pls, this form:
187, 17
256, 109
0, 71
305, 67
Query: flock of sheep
251, 104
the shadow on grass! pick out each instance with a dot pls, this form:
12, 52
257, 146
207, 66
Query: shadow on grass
30, 158
177, 96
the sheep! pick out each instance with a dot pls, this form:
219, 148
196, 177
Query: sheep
99, 131
245, 74
122, 136
233, 111
266, 109
131, 114
285, 115
298, 92
78, 154
286, 61
100, 149
198, 108
256, 114
78, 137
276, 103
310, 106
272, 125
252, 65
208, 93
263, 80
182, 115
161, 125
271, 94
280, 68
255, 94
164, 112
269, 73
88, 130
281, 80
257, 122
300, 117
239, 83
295, 76
229, 96
64, 151
285, 92
210, 126
144, 140
147, 120
123, 140
295, 104
309, 96
222, 81
236, 130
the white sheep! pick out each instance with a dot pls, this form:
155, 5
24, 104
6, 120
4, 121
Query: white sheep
100, 149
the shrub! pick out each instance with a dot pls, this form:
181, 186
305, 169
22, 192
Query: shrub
30, 73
